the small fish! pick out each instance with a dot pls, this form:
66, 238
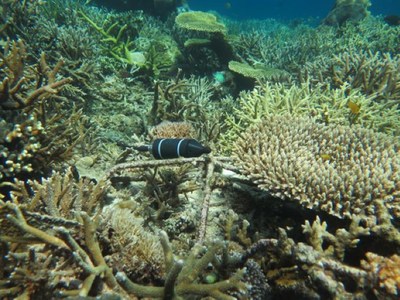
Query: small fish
325, 156
354, 107
228, 5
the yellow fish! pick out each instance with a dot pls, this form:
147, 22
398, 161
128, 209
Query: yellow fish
325, 156
354, 107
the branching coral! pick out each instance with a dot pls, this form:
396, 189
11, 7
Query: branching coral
29, 149
324, 105
76, 44
375, 74
69, 256
337, 244
297, 268
341, 170
189, 100
16, 15
13, 92
31, 139
290, 49
58, 198
385, 274
314, 269
182, 275
257, 72
119, 48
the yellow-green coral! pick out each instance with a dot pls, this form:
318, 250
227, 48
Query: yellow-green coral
259, 72
324, 105
118, 48
199, 21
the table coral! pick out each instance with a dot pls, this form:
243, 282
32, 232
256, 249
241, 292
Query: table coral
339, 169
199, 21
347, 10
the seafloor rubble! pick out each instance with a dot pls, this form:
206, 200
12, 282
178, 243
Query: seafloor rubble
300, 196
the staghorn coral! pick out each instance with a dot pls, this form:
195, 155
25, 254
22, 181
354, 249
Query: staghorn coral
52, 229
68, 259
324, 105
371, 34
189, 100
374, 74
118, 47
182, 275
16, 15
167, 185
334, 244
76, 44
338, 169
19, 145
18, 89
36, 130
34, 270
30, 150
297, 268
291, 49
385, 274
59, 198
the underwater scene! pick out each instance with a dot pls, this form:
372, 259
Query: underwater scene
171, 149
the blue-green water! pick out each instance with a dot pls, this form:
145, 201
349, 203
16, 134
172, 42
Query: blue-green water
284, 9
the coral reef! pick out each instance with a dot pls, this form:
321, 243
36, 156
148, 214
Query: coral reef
199, 21
338, 169
14, 93
372, 73
385, 274
182, 274
168, 129
341, 106
305, 204
47, 219
134, 251
258, 72
32, 138
347, 11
